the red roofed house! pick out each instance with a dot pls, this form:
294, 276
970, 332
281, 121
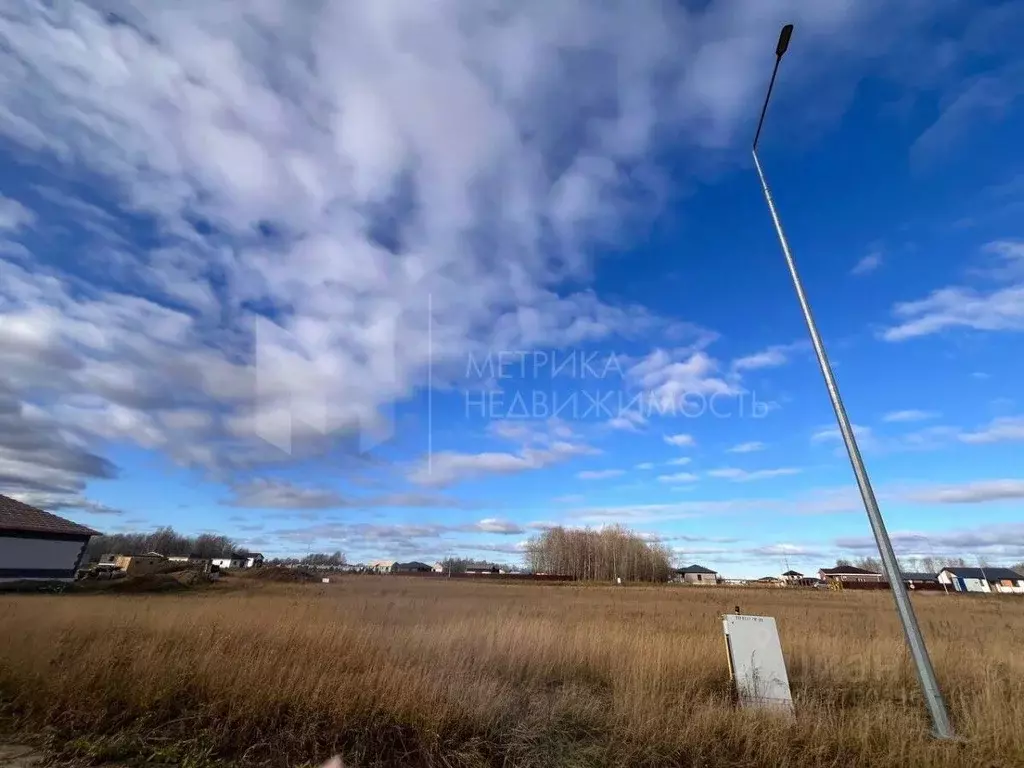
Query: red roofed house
38, 545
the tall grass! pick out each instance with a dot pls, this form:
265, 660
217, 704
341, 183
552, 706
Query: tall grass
397, 671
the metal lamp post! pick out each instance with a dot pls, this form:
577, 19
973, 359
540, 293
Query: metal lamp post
926, 674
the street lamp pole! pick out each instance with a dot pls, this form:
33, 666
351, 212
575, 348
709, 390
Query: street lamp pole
925, 672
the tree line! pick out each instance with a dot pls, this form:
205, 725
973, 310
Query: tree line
315, 559
598, 555
164, 540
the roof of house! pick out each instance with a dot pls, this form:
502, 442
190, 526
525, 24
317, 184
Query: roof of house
18, 516
991, 574
414, 564
849, 569
792, 573
918, 576
694, 569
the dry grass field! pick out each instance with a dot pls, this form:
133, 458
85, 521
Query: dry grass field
404, 671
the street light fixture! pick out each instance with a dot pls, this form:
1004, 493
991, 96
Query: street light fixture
926, 674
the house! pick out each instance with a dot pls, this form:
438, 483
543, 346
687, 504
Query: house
482, 568
382, 566
849, 573
138, 565
695, 574
412, 567
916, 580
35, 544
254, 560
233, 562
792, 577
771, 581
1001, 580
438, 568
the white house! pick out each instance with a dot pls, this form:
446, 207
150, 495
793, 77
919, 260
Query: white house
1001, 580
38, 545
382, 566
229, 563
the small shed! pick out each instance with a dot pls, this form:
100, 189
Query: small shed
138, 565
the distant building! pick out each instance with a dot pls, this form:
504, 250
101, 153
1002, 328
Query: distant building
848, 573
482, 568
139, 565
254, 560
234, 562
996, 579
792, 576
412, 567
918, 580
438, 568
35, 544
696, 574
382, 566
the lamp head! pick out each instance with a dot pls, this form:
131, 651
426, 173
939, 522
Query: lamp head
787, 32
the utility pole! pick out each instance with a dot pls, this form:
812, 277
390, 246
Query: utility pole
926, 674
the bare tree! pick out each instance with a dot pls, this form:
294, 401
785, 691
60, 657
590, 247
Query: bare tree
164, 540
598, 555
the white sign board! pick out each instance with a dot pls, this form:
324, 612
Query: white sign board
755, 662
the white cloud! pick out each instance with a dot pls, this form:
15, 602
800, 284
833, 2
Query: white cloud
982, 309
321, 173
496, 525
750, 447
770, 357
645, 465
262, 493
14, 215
868, 264
968, 493
678, 477
448, 467
741, 475
671, 380
1002, 541
628, 420
1002, 429
909, 415
832, 433
598, 474
681, 440
682, 461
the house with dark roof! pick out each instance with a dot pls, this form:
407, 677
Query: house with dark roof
695, 574
995, 579
38, 545
412, 567
920, 580
849, 573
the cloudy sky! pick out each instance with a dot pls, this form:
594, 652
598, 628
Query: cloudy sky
407, 278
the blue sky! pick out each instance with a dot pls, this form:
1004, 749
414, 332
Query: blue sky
408, 282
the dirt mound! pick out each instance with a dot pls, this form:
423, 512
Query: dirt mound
151, 582
286, 575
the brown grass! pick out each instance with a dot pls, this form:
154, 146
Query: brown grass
396, 671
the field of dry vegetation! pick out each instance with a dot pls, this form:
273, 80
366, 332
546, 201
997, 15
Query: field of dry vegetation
431, 672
